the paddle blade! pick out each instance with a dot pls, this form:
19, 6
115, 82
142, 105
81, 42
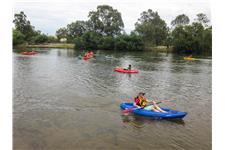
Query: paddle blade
128, 110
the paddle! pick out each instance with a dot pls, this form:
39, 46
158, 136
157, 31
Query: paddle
132, 109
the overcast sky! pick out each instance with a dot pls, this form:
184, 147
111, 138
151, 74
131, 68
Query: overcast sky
50, 15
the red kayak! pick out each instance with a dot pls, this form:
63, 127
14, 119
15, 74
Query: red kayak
29, 53
88, 56
125, 71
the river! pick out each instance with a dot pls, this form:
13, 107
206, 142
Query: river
61, 102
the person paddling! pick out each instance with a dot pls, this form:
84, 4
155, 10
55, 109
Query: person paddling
141, 102
89, 53
129, 68
190, 56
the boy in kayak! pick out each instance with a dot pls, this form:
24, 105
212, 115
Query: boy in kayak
129, 68
141, 102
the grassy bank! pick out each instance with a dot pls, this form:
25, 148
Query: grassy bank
52, 45
160, 49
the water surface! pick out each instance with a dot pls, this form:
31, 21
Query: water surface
63, 102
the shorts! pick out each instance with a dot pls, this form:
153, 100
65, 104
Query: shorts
150, 107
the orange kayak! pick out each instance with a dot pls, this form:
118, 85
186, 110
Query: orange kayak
125, 71
29, 53
88, 56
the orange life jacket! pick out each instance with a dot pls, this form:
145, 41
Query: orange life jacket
140, 101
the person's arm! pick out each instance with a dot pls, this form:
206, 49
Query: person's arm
152, 102
136, 105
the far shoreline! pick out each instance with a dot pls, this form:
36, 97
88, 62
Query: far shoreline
72, 46
52, 45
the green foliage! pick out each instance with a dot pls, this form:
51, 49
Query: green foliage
94, 41
120, 43
61, 33
103, 31
192, 38
40, 38
89, 40
23, 25
207, 40
76, 29
203, 19
24, 32
131, 42
79, 44
52, 39
106, 20
180, 20
18, 37
107, 43
151, 27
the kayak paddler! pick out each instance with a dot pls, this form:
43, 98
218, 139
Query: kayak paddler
141, 102
129, 68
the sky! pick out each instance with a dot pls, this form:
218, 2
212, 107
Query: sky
49, 15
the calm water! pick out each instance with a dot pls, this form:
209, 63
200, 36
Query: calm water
62, 102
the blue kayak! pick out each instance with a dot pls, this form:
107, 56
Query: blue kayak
170, 113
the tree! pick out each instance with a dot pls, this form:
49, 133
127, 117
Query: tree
89, 40
207, 40
179, 36
106, 20
61, 33
202, 18
132, 42
169, 38
18, 37
40, 38
151, 27
52, 39
76, 29
106, 43
180, 20
23, 25
192, 39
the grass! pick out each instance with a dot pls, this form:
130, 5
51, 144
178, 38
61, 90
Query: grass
52, 45
160, 49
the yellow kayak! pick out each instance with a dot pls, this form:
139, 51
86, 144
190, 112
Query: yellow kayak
189, 58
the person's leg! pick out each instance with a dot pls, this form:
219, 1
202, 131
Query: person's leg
158, 108
150, 107
155, 110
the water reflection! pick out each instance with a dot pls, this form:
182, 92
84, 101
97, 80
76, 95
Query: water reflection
141, 121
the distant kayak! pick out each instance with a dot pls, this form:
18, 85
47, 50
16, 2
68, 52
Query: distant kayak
189, 58
29, 53
88, 56
170, 113
125, 71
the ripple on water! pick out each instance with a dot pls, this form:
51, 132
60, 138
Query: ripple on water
63, 102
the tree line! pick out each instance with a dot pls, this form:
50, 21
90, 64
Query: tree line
25, 33
104, 29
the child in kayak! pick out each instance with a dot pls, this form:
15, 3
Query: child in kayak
141, 102
129, 68
89, 53
190, 56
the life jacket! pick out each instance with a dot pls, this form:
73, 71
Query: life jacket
140, 101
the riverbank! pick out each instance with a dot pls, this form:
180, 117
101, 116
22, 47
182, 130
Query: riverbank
164, 49
48, 45
52, 45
